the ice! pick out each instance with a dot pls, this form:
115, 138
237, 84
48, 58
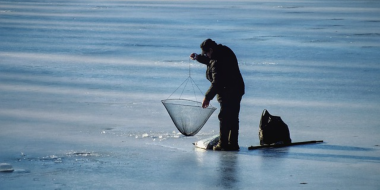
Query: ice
81, 84
5, 167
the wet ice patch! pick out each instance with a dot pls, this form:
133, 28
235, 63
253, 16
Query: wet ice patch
155, 135
289, 7
81, 154
57, 159
53, 158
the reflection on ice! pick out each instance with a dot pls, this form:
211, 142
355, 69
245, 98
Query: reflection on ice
228, 171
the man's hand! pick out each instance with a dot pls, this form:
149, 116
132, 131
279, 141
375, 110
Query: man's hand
193, 56
205, 103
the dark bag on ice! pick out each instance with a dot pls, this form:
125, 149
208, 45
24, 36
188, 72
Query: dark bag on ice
273, 130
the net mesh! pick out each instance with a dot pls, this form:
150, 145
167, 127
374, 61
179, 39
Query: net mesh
188, 116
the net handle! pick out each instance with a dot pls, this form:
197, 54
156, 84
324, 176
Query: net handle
185, 82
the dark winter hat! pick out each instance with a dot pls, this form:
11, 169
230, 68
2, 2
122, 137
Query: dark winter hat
206, 45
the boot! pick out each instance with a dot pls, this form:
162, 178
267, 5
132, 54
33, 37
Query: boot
219, 147
233, 147
233, 140
229, 147
223, 140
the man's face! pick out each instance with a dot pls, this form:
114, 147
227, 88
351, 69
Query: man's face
209, 53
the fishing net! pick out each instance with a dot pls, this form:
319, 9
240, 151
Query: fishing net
188, 115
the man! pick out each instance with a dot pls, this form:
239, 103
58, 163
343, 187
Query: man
228, 85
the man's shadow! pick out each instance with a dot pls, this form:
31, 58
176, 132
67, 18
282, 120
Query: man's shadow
228, 170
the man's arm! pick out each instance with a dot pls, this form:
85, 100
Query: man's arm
216, 82
200, 58
203, 59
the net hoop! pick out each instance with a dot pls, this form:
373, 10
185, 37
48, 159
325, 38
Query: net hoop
186, 102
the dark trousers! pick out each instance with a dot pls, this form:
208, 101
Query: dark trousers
229, 120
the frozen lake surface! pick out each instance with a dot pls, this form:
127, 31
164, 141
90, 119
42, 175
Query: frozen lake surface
81, 84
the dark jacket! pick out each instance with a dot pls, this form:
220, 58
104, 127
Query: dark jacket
223, 73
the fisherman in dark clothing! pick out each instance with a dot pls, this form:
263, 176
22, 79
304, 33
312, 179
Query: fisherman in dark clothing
228, 85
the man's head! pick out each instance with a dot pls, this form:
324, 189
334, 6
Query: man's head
208, 47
